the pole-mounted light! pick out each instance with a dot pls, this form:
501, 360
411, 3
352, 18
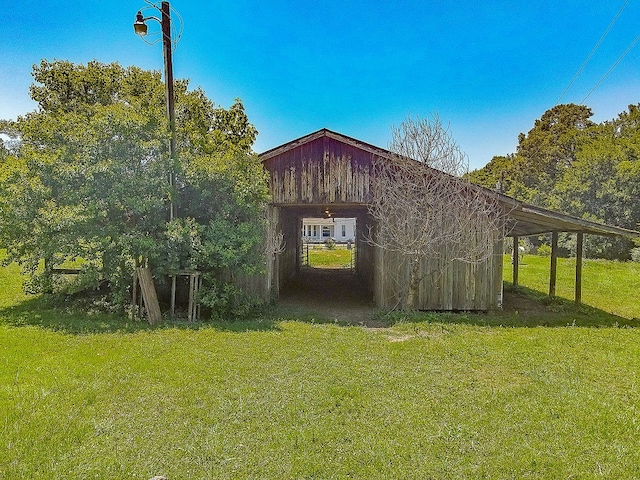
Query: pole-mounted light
141, 28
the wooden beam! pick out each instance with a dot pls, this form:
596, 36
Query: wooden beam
516, 259
579, 242
134, 293
173, 296
554, 264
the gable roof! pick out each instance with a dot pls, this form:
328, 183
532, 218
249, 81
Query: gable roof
324, 132
524, 219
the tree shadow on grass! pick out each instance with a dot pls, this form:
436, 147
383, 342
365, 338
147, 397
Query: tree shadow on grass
49, 313
317, 296
522, 307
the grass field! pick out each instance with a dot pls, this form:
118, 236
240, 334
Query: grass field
88, 395
338, 257
610, 286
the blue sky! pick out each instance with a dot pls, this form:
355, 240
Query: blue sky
488, 68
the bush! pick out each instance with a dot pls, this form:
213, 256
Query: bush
330, 243
544, 250
226, 301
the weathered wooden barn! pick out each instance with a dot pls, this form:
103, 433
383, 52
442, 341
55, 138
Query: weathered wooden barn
326, 171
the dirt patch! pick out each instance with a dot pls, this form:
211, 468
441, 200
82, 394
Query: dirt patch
513, 302
327, 294
331, 295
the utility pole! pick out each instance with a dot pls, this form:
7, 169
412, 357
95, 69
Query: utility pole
171, 114
140, 27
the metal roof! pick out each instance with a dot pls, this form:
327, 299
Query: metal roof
525, 219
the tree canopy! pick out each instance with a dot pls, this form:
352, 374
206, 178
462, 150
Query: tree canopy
569, 163
88, 179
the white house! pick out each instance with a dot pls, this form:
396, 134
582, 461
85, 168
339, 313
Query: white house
342, 230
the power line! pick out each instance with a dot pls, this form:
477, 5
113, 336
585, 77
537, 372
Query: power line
595, 48
612, 67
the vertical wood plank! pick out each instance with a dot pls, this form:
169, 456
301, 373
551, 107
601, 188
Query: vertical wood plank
496, 294
191, 308
149, 295
516, 259
173, 296
134, 292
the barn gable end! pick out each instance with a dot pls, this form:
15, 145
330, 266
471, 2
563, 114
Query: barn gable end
321, 169
327, 171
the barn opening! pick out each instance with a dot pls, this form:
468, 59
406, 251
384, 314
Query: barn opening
328, 242
325, 254
327, 171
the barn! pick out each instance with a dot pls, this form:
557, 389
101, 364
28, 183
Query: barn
327, 173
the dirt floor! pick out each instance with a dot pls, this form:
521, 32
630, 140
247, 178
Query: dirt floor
331, 294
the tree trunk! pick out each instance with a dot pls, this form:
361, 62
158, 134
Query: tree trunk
414, 284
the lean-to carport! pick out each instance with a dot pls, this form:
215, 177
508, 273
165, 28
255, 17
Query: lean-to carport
527, 220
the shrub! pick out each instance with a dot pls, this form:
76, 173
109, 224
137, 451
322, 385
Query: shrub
544, 250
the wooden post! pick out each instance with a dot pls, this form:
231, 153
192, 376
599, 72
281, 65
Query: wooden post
134, 293
198, 285
192, 287
554, 264
170, 99
579, 241
173, 296
48, 276
516, 259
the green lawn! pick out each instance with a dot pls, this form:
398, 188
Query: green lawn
322, 257
611, 286
88, 395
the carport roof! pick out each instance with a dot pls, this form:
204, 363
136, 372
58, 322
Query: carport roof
526, 219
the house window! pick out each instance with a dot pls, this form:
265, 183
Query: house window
326, 232
344, 231
315, 230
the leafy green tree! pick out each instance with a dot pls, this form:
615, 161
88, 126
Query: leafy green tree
603, 183
4, 152
567, 162
543, 154
498, 174
548, 149
89, 178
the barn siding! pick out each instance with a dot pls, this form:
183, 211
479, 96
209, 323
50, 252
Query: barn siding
288, 260
365, 253
264, 285
321, 172
453, 286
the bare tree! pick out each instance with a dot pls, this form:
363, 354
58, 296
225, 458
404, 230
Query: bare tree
425, 209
